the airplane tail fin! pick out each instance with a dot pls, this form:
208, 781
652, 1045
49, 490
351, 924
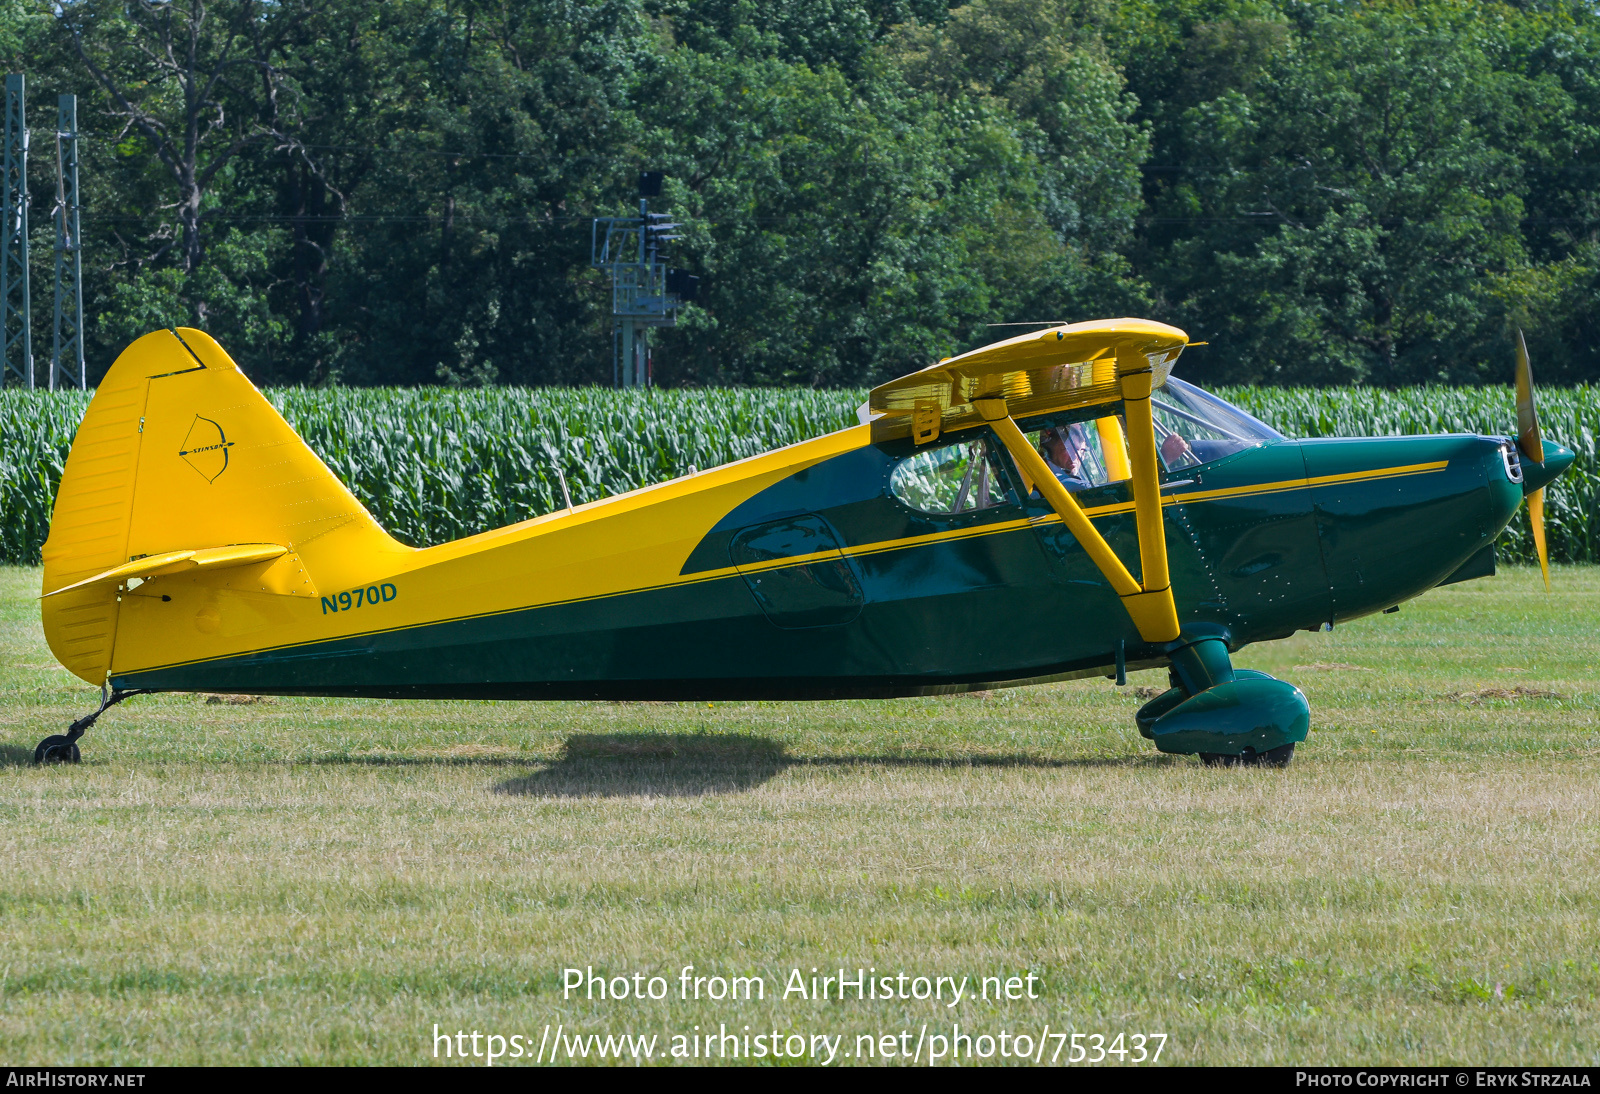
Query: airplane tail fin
180, 464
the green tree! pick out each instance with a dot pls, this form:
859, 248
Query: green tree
820, 214
1351, 200
1039, 69
196, 81
400, 191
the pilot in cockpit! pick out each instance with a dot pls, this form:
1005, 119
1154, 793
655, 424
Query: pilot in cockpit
1175, 451
1065, 449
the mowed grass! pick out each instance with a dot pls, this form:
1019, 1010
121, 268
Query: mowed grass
323, 881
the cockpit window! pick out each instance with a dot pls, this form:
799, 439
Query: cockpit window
1195, 427
1084, 454
956, 478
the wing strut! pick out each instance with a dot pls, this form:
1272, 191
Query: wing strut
1150, 604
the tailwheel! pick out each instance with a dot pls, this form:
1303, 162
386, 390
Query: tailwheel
1272, 757
57, 749
63, 748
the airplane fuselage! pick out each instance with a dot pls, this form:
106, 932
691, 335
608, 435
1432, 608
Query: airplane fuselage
801, 575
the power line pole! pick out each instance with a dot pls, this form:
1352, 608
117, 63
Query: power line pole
16, 296
644, 292
66, 356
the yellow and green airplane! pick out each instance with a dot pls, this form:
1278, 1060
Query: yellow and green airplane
1055, 505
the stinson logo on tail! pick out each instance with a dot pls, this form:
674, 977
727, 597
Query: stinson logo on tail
206, 448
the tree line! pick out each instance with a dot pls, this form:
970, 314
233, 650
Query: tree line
400, 191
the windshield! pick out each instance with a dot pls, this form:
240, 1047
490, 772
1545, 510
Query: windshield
1195, 427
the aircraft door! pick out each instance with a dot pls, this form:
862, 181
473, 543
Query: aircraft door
1194, 584
971, 588
796, 573
1243, 553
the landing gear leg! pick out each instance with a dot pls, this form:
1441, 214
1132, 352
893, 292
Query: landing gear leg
63, 748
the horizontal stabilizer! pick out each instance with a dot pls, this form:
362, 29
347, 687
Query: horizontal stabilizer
176, 562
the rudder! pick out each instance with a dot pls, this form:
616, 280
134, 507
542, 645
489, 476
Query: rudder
179, 452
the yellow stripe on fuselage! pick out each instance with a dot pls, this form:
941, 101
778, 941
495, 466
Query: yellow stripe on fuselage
1278, 487
1001, 527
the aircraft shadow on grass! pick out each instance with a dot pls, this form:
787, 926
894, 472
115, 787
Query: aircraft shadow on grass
15, 755
620, 765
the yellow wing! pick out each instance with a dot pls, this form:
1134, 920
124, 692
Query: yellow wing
1076, 365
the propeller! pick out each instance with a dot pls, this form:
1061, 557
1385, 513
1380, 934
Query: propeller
1531, 445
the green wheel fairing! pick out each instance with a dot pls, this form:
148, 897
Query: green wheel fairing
1252, 711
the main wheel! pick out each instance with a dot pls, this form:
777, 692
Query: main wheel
1272, 757
57, 749
1276, 757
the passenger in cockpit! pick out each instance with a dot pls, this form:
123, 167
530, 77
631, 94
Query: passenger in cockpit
1064, 450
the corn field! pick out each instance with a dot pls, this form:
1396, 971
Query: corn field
435, 464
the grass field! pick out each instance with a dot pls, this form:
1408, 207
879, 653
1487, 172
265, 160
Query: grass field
323, 881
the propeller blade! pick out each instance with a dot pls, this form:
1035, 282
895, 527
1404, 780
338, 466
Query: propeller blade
1531, 445
1536, 521
1529, 441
